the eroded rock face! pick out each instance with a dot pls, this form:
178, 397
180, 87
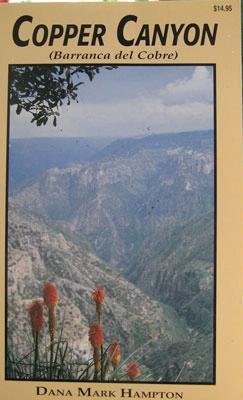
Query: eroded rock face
181, 272
146, 208
129, 191
38, 253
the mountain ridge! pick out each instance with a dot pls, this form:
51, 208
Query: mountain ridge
38, 254
111, 200
120, 146
146, 209
30, 157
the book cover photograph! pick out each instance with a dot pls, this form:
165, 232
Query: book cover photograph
121, 201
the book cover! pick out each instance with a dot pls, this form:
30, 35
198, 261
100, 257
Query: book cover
121, 203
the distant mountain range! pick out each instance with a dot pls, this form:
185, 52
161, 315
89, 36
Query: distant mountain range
188, 140
28, 158
145, 207
118, 201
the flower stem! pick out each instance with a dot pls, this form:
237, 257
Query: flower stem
51, 360
36, 354
52, 327
102, 363
99, 316
96, 358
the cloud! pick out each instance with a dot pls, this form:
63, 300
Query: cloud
134, 118
181, 105
198, 88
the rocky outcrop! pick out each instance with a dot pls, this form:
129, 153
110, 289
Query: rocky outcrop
145, 207
119, 200
181, 271
38, 254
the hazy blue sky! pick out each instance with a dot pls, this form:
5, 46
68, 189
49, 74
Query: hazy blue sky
132, 101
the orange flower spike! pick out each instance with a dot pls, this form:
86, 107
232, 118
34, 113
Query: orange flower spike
36, 315
133, 370
50, 295
96, 335
98, 295
115, 354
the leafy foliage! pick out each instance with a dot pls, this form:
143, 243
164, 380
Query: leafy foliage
42, 89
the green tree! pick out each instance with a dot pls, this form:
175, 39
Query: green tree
41, 89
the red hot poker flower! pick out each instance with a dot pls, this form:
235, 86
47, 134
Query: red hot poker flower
133, 370
98, 295
96, 335
115, 354
36, 315
50, 295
